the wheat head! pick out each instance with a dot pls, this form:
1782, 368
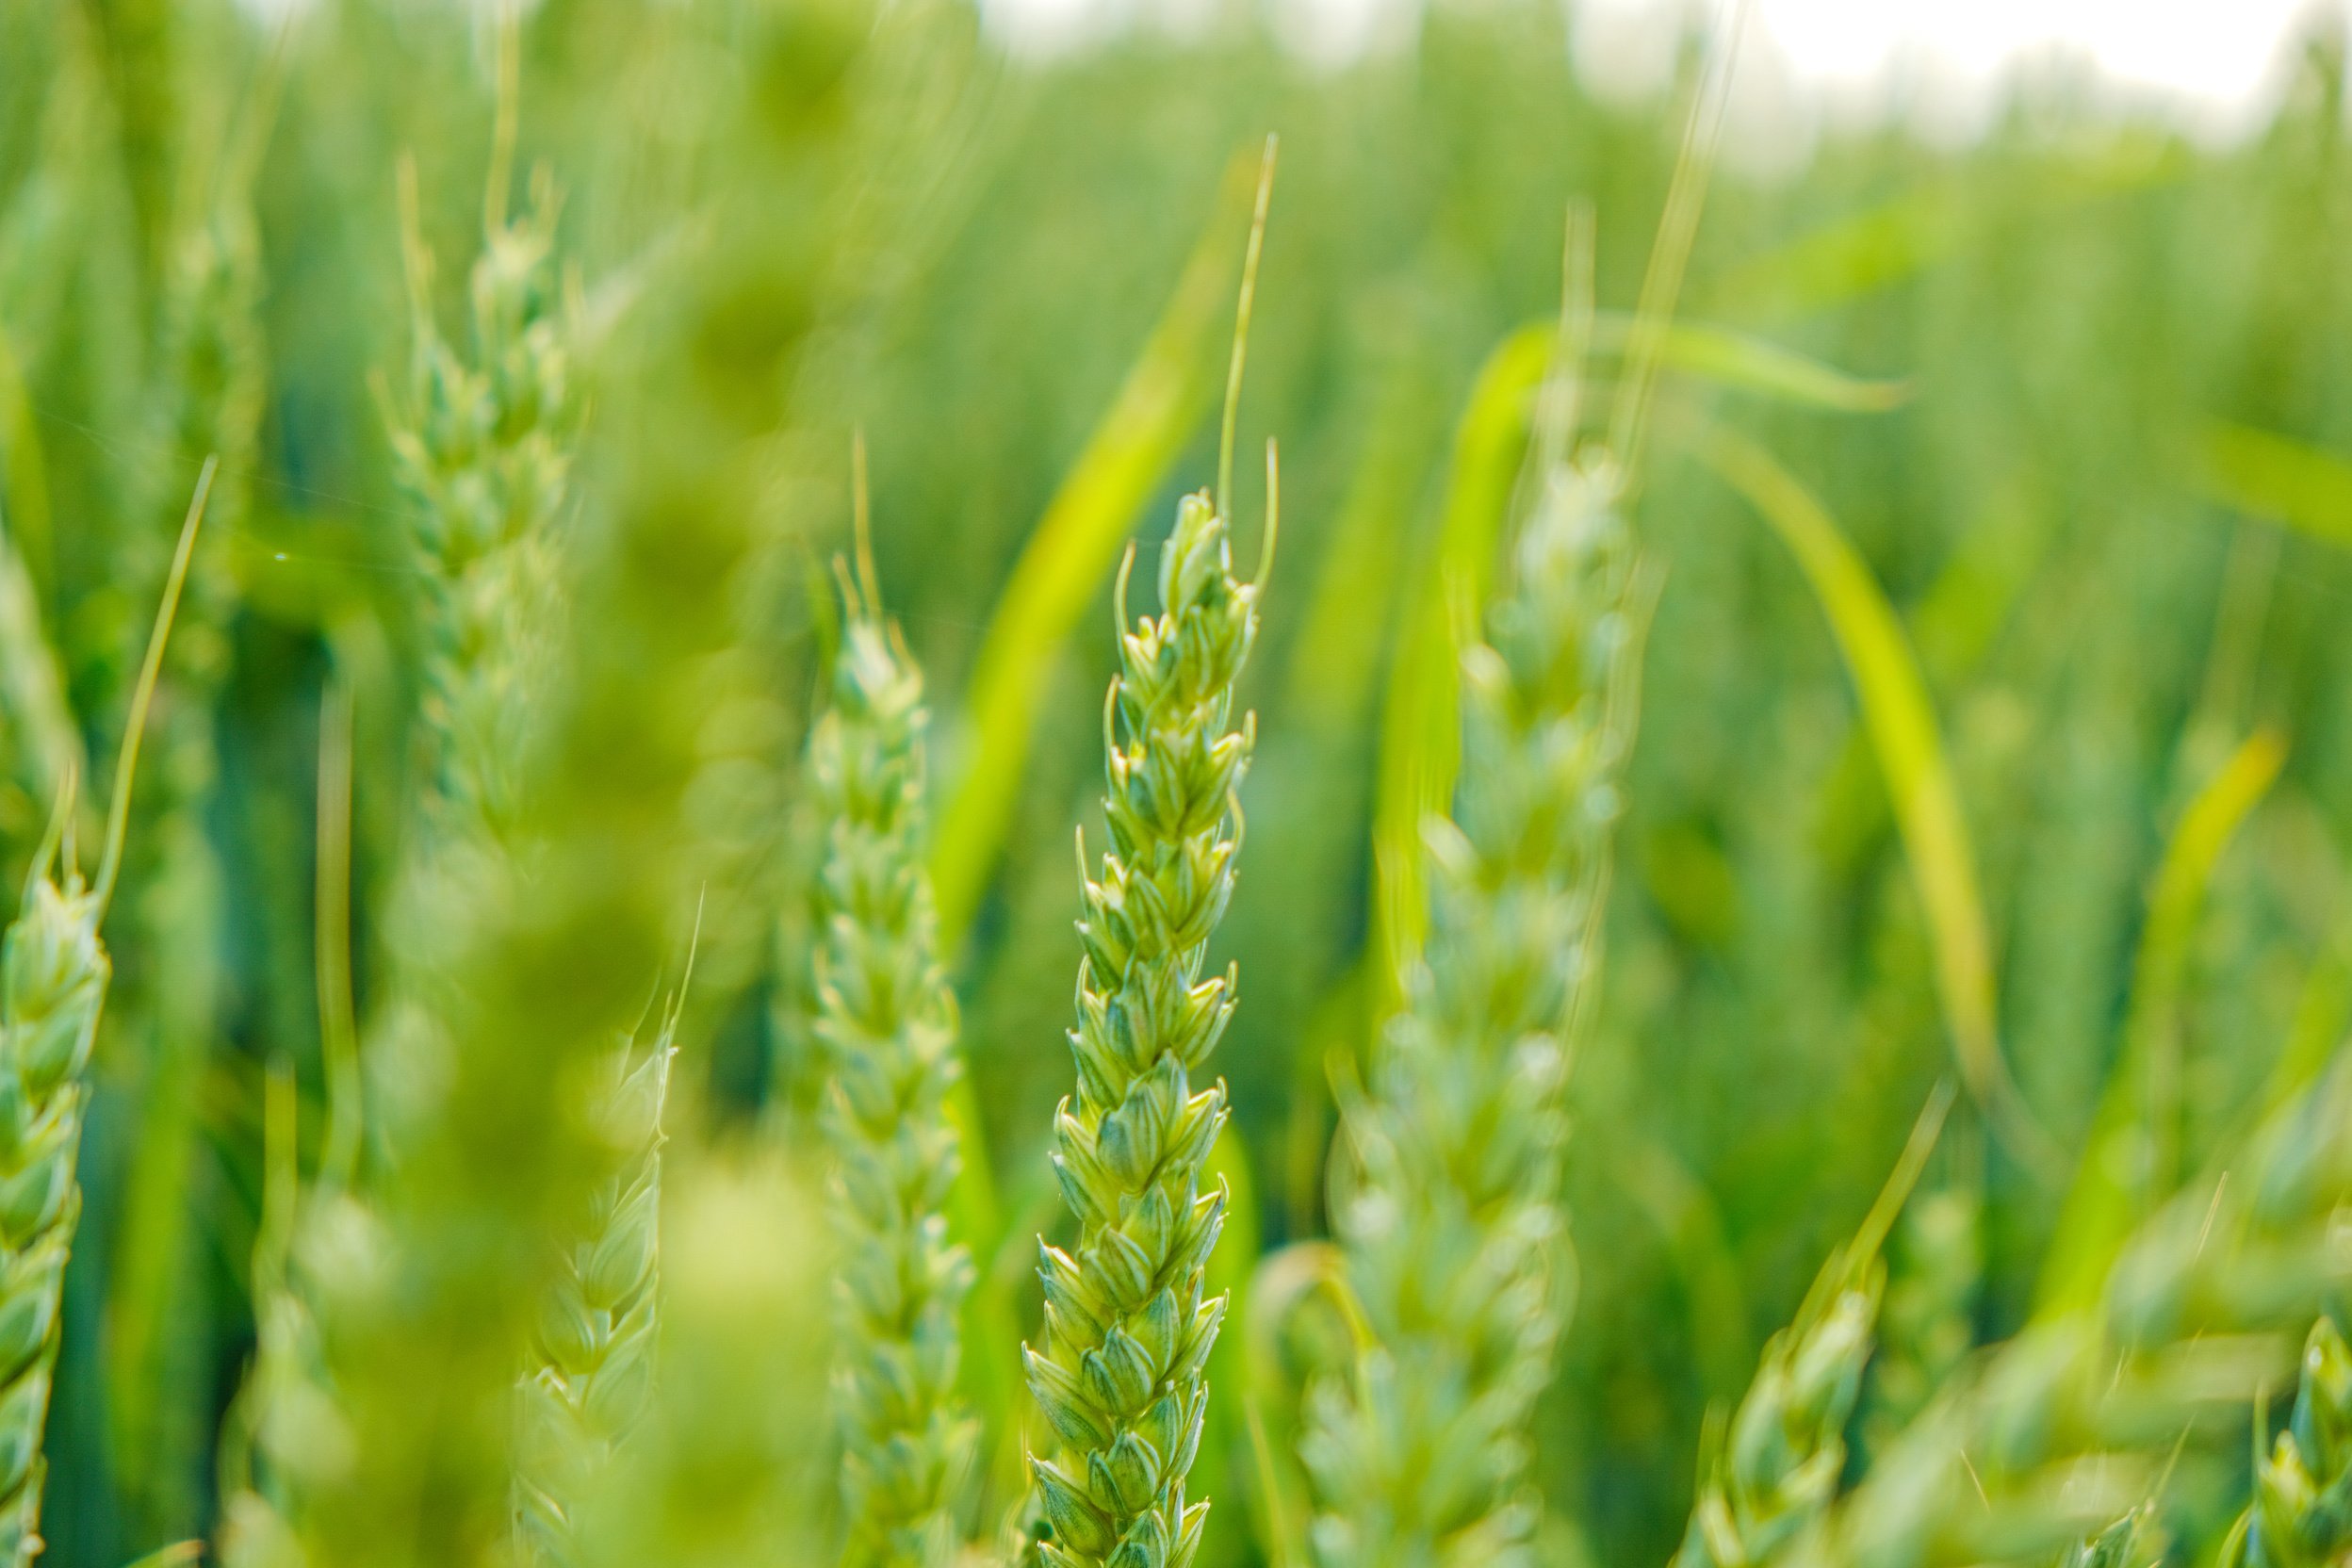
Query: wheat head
1128, 1326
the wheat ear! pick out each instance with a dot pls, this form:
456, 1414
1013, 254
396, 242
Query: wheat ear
2131, 1541
1777, 1467
485, 448
1128, 1328
887, 1020
592, 1376
54, 972
1451, 1224
2062, 1429
2301, 1516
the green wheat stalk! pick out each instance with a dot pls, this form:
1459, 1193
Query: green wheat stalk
887, 1020
1127, 1328
54, 975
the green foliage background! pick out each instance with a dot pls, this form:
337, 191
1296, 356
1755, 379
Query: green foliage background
2106, 515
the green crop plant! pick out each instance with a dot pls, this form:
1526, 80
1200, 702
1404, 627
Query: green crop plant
1783, 1454
1450, 1218
2299, 1514
2055, 1433
1128, 1325
887, 1020
54, 975
2012, 745
1128, 1328
593, 1371
484, 446
2124, 1544
1459, 1138
1450, 1222
55, 972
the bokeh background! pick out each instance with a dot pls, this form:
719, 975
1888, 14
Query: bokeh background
2069, 382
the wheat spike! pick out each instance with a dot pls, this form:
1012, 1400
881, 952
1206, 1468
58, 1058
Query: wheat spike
484, 446
594, 1373
1422, 1455
1780, 1463
2301, 1516
487, 449
1128, 1326
886, 1022
54, 972
2058, 1433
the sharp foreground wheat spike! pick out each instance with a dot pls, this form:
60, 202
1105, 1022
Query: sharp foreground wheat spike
887, 1024
1449, 1231
1127, 1332
595, 1371
2301, 1516
2058, 1433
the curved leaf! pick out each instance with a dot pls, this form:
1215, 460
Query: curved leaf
1901, 719
2127, 1166
2267, 474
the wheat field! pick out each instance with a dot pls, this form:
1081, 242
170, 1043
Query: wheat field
1711, 916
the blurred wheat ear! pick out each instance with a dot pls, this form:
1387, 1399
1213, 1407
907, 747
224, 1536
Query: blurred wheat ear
887, 1019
